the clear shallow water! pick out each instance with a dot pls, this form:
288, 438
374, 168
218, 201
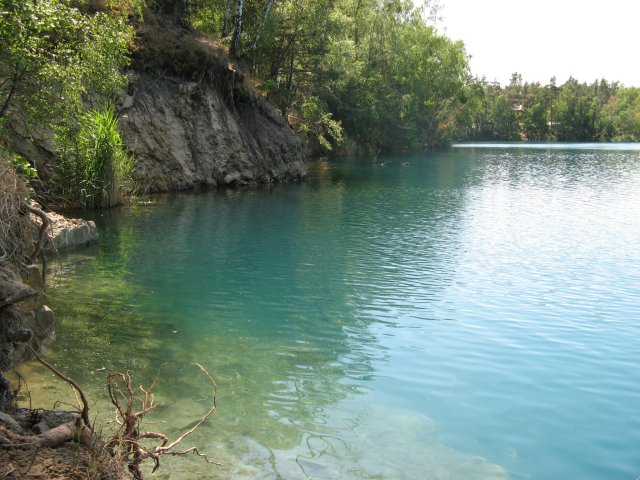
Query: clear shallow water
471, 315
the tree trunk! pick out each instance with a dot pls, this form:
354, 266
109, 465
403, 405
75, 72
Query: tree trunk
290, 75
237, 30
355, 22
267, 9
227, 14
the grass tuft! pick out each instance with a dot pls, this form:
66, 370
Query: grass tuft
95, 168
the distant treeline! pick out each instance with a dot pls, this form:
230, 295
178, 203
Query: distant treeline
573, 111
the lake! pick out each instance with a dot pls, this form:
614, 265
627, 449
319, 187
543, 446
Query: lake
466, 314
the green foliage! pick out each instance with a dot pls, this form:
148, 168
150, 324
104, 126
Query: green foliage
22, 166
15, 227
534, 124
56, 57
56, 54
574, 111
625, 111
316, 120
505, 120
95, 168
207, 16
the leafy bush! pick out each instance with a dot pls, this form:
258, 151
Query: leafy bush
95, 168
54, 56
22, 166
315, 119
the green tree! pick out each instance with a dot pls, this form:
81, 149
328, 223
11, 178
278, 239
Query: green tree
504, 119
535, 122
625, 109
54, 57
575, 112
379, 69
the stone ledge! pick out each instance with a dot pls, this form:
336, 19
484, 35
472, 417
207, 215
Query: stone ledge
67, 233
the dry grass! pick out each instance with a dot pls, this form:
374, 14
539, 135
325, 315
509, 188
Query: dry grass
15, 228
160, 45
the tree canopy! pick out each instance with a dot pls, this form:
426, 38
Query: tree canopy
383, 73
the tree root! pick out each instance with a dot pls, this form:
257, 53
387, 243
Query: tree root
125, 444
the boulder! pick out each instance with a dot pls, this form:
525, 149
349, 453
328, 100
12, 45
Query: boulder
65, 233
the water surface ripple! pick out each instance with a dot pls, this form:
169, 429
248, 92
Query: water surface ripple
472, 314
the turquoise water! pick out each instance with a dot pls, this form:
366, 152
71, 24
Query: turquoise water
471, 314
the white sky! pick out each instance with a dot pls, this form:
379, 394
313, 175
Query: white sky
586, 39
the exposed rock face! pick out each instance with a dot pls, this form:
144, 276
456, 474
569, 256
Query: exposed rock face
203, 125
214, 131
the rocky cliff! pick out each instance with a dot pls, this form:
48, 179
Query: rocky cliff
191, 119
186, 133
212, 130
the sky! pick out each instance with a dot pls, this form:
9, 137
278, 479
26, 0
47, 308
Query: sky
586, 39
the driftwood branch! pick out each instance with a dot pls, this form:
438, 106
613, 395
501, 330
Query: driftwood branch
126, 444
202, 420
129, 435
67, 432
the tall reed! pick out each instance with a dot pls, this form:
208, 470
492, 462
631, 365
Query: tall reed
95, 168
